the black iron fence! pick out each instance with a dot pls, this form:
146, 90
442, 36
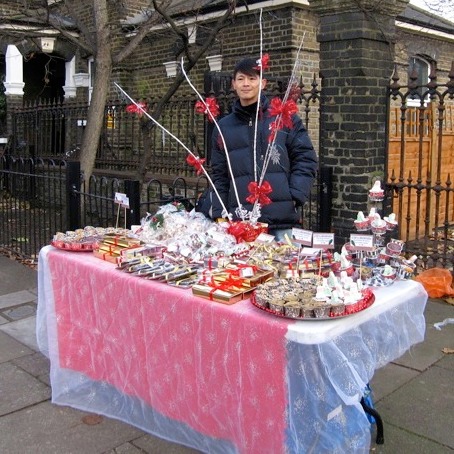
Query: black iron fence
421, 166
42, 196
54, 129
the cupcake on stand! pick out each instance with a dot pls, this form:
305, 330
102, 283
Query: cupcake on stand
376, 194
362, 224
391, 222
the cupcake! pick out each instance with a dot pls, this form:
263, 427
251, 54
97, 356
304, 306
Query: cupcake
376, 194
346, 265
372, 214
292, 309
391, 222
394, 248
361, 223
378, 226
388, 273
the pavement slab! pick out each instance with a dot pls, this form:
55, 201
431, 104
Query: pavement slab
423, 355
423, 406
19, 389
50, 429
16, 298
400, 441
390, 378
15, 277
11, 348
23, 331
150, 444
35, 364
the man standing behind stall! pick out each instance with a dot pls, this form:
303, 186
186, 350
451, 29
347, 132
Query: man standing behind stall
290, 172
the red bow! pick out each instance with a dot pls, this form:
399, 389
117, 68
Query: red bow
196, 162
245, 231
209, 108
136, 108
259, 193
263, 62
284, 109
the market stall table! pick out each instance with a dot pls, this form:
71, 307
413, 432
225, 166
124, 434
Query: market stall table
215, 377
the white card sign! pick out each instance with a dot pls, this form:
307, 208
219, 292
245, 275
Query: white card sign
361, 242
302, 236
265, 238
122, 199
323, 240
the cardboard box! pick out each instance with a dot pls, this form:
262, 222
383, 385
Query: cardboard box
107, 256
232, 296
257, 278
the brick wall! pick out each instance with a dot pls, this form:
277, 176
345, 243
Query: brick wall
356, 65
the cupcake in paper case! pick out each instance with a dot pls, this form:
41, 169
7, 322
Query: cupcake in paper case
322, 309
376, 193
378, 226
292, 309
346, 265
337, 309
307, 311
261, 297
407, 268
277, 305
361, 222
321, 294
337, 305
394, 248
388, 273
391, 222
365, 272
372, 214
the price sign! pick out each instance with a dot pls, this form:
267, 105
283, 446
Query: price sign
122, 199
302, 236
323, 240
361, 242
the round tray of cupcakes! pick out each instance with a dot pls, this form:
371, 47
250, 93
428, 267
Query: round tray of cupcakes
313, 299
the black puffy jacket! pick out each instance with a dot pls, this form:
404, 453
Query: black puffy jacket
291, 175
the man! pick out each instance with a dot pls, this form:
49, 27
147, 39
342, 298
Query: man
290, 172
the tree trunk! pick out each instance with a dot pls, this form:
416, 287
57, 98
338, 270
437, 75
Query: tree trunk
103, 71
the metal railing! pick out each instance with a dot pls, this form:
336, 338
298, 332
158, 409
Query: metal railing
42, 196
420, 166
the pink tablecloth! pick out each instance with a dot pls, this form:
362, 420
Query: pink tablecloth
221, 379
219, 369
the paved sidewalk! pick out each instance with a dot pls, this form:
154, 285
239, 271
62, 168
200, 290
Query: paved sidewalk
414, 394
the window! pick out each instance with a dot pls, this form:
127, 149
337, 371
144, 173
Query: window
418, 74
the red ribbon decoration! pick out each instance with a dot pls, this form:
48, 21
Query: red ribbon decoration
136, 108
211, 107
245, 231
259, 193
285, 110
263, 62
196, 162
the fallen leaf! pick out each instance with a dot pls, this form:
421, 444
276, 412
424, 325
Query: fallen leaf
449, 300
92, 420
447, 350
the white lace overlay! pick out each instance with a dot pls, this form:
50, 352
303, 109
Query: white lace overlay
236, 379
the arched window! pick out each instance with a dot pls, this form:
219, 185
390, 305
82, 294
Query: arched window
418, 74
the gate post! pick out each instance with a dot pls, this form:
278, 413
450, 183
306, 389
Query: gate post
325, 198
132, 189
73, 195
356, 65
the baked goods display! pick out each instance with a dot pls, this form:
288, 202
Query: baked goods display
287, 279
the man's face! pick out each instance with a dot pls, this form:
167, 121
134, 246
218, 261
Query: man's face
247, 87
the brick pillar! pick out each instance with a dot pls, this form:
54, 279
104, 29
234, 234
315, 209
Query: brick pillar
356, 64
